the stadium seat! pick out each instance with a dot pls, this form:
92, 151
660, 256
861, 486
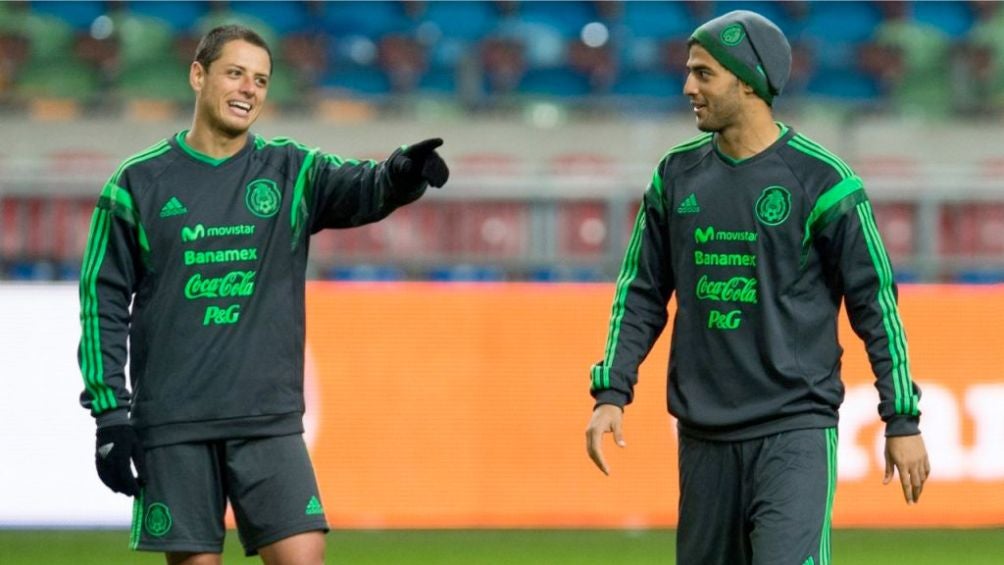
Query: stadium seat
582, 229
897, 227
67, 80
283, 17
467, 273
848, 86
370, 19
776, 12
567, 273
13, 218
438, 81
659, 20
492, 229
953, 18
556, 83
649, 84
566, 18
180, 16
466, 20
980, 276
162, 80
359, 81
841, 22
78, 14
366, 272
973, 230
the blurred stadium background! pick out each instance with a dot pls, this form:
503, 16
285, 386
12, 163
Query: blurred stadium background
554, 114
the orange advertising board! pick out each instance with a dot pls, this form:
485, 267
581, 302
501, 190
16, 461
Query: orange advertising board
465, 405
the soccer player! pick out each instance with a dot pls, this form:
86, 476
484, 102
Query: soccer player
761, 233
205, 234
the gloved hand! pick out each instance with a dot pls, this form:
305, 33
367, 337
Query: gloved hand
117, 446
421, 162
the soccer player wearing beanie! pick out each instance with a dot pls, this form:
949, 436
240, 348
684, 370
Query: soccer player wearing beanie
760, 233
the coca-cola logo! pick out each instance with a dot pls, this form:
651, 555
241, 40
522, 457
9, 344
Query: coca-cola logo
232, 284
736, 289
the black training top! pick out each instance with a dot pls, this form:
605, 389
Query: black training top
211, 255
759, 253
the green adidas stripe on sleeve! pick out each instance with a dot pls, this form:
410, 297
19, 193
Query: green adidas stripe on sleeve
832, 204
905, 400
91, 362
628, 272
302, 195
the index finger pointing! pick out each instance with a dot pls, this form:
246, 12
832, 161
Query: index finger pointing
594, 442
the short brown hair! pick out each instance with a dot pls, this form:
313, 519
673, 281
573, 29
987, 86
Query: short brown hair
212, 43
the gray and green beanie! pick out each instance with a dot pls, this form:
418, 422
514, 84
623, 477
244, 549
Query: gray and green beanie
750, 46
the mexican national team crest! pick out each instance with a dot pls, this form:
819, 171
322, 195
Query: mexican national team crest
262, 198
773, 206
733, 35
158, 519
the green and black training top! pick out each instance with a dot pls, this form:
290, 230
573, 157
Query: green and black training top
199, 265
759, 253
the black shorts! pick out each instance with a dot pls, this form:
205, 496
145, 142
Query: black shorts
765, 501
269, 482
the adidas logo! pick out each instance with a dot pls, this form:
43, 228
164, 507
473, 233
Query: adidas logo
314, 507
174, 207
689, 205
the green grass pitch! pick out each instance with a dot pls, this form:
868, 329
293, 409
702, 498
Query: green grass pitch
498, 547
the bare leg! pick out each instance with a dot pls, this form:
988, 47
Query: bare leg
178, 558
301, 549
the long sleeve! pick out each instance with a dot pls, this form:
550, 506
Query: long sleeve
340, 193
638, 315
108, 277
861, 267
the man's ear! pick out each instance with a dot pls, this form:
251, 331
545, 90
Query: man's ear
196, 76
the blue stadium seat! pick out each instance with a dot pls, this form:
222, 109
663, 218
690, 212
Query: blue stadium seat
567, 18
847, 86
439, 80
564, 273
462, 20
660, 20
467, 273
907, 276
366, 273
652, 84
79, 15
284, 17
560, 83
981, 276
28, 270
953, 18
842, 21
371, 19
773, 11
181, 16
365, 81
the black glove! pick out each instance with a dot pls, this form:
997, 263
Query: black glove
117, 446
421, 162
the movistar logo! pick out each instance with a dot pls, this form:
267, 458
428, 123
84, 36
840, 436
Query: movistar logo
689, 205
173, 207
725, 259
711, 234
220, 256
314, 507
200, 231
